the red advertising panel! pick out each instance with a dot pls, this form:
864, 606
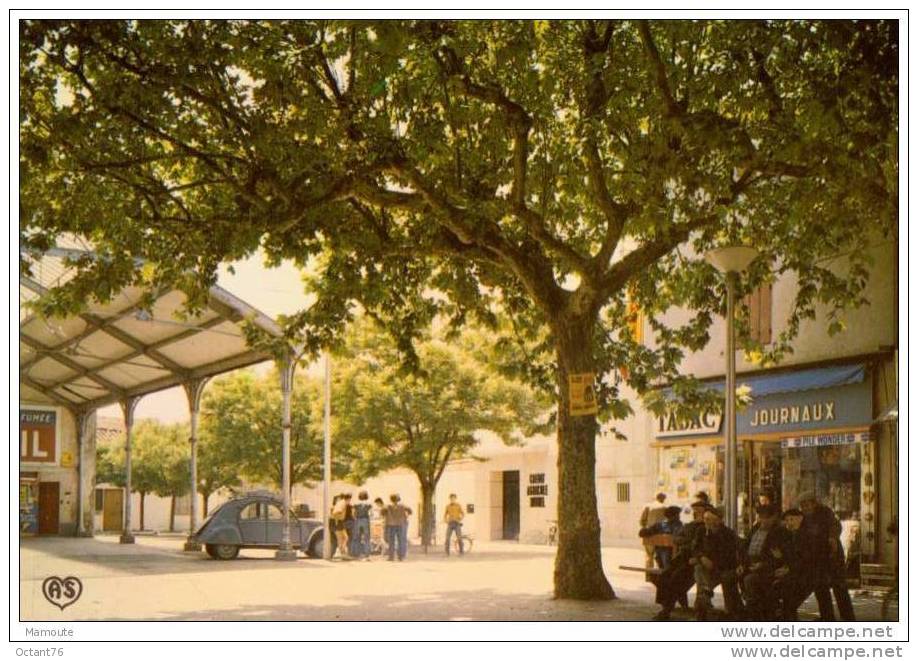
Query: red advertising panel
37, 436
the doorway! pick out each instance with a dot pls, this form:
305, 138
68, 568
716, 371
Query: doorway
112, 509
511, 505
49, 497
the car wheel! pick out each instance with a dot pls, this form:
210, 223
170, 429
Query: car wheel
209, 548
223, 551
315, 547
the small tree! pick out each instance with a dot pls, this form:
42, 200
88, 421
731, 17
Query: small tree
152, 455
177, 465
218, 467
110, 465
421, 420
242, 413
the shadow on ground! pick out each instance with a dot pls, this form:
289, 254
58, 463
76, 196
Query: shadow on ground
452, 606
101, 554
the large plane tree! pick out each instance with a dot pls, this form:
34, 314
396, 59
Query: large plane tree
560, 171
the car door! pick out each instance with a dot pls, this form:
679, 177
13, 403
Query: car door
253, 523
275, 527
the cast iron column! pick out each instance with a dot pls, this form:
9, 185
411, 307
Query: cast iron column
194, 390
127, 406
82, 425
287, 367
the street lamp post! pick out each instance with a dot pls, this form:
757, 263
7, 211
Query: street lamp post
326, 463
731, 261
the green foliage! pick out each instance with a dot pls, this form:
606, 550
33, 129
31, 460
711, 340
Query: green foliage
217, 465
391, 417
241, 415
109, 465
159, 459
423, 418
432, 167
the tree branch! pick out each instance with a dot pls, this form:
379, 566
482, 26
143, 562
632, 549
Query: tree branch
596, 98
642, 257
658, 70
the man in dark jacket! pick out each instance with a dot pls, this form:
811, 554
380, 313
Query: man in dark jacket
822, 531
675, 581
796, 576
715, 561
763, 555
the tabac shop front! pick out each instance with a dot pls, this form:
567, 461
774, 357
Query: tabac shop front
805, 430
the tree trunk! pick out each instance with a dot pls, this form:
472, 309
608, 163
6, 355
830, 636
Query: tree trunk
172, 514
143, 496
578, 563
427, 505
206, 497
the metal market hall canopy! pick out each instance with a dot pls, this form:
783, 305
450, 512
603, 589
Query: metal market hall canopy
116, 351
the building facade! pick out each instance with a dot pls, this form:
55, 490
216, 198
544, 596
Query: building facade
811, 424
50, 462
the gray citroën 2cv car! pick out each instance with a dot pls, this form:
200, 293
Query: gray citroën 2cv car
255, 520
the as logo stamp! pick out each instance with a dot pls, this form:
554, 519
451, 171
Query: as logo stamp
62, 591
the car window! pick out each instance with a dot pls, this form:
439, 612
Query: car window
275, 514
251, 511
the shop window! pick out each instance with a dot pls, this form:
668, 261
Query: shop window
759, 305
624, 492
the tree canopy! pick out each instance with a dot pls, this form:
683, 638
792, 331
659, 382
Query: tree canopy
422, 420
241, 412
556, 170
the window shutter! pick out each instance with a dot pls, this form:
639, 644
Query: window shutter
765, 314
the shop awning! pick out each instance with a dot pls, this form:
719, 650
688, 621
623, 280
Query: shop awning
816, 378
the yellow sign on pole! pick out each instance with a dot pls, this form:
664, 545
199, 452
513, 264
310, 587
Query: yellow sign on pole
66, 459
583, 394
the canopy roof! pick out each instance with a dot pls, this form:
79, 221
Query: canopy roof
114, 351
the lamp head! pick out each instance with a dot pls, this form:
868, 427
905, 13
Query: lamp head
731, 259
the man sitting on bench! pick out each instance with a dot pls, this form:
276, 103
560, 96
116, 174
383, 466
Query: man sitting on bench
715, 561
674, 582
661, 535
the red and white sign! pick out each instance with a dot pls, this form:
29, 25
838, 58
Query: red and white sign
37, 436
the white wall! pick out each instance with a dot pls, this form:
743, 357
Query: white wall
867, 328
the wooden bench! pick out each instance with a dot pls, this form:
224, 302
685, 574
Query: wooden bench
877, 576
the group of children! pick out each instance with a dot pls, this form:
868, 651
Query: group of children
362, 528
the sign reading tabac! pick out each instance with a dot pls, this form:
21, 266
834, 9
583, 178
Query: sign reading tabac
37, 431
583, 394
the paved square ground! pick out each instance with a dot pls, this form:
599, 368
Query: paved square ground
155, 579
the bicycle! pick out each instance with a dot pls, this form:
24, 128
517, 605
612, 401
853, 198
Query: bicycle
467, 542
